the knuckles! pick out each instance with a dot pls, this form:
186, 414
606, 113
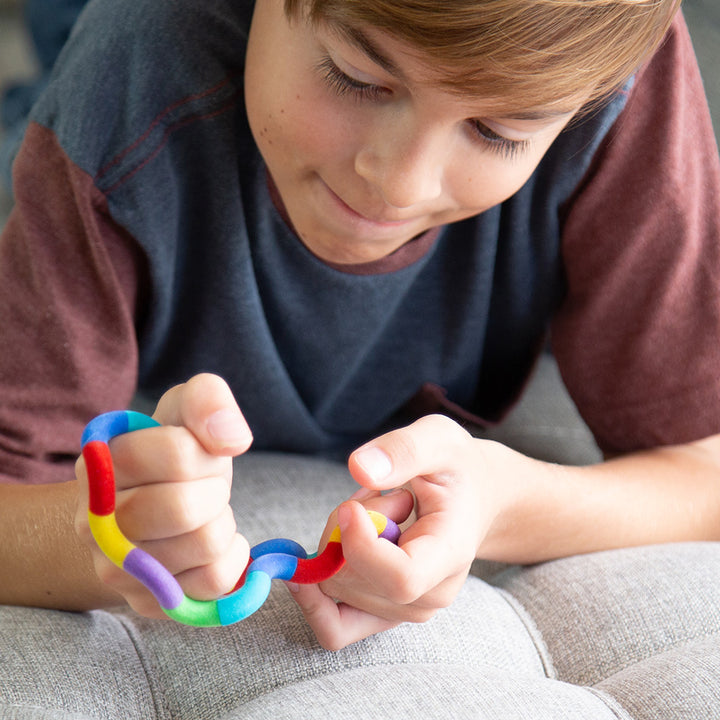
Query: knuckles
191, 505
180, 452
445, 435
214, 539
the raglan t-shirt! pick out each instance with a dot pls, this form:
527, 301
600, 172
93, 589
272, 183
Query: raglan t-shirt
148, 244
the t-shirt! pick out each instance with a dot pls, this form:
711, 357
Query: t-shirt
148, 244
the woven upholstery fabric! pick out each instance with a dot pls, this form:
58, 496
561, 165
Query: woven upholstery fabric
623, 635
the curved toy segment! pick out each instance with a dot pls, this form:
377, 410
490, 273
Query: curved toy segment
109, 425
278, 545
385, 527
198, 613
109, 538
321, 567
275, 565
245, 601
155, 577
104, 427
101, 477
279, 558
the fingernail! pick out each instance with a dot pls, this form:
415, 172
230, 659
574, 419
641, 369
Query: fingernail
292, 587
392, 493
375, 462
343, 517
228, 427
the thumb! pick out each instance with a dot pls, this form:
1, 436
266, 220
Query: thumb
429, 445
206, 406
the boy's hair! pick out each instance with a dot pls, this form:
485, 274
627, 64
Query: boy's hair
540, 53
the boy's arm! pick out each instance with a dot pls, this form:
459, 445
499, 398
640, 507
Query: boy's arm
172, 500
667, 494
479, 498
69, 277
42, 560
637, 336
68, 281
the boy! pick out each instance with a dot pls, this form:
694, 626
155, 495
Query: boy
364, 219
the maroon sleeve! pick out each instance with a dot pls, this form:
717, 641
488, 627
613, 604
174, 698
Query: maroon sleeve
68, 284
638, 338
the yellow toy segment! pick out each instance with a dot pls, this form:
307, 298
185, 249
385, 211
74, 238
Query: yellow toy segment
378, 520
110, 540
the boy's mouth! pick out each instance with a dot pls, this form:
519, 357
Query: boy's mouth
360, 217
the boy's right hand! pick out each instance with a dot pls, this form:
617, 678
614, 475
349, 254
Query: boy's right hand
173, 490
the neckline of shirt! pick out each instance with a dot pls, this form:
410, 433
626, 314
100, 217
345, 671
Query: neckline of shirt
407, 254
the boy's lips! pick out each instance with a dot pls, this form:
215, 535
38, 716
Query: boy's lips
360, 217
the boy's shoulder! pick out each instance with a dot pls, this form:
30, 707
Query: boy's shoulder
131, 63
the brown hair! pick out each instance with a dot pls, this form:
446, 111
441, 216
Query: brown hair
543, 53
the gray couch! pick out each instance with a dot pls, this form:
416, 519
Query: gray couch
615, 635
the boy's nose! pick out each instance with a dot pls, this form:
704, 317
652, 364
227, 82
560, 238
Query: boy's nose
406, 168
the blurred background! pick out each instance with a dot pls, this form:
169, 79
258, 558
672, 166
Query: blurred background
17, 62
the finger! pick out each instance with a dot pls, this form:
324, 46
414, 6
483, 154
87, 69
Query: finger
211, 581
163, 454
419, 611
430, 445
133, 592
203, 546
396, 505
402, 573
168, 510
335, 625
207, 581
206, 406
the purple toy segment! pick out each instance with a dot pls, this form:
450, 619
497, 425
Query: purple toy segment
391, 531
154, 577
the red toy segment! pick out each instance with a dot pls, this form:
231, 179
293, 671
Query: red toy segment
101, 477
322, 567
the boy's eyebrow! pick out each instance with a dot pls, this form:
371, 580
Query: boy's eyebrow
361, 41
535, 115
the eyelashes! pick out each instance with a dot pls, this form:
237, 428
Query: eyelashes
343, 85
503, 146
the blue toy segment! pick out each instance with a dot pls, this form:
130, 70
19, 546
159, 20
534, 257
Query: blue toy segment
276, 565
104, 427
278, 545
110, 425
155, 578
246, 600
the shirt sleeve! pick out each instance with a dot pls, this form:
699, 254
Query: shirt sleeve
638, 337
69, 281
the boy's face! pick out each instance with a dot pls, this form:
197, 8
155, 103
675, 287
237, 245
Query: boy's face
366, 152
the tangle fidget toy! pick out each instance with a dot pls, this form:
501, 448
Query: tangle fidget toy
279, 558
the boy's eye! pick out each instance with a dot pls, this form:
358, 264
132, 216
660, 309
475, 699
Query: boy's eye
343, 84
504, 146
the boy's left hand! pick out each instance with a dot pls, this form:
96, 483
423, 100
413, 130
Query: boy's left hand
383, 585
